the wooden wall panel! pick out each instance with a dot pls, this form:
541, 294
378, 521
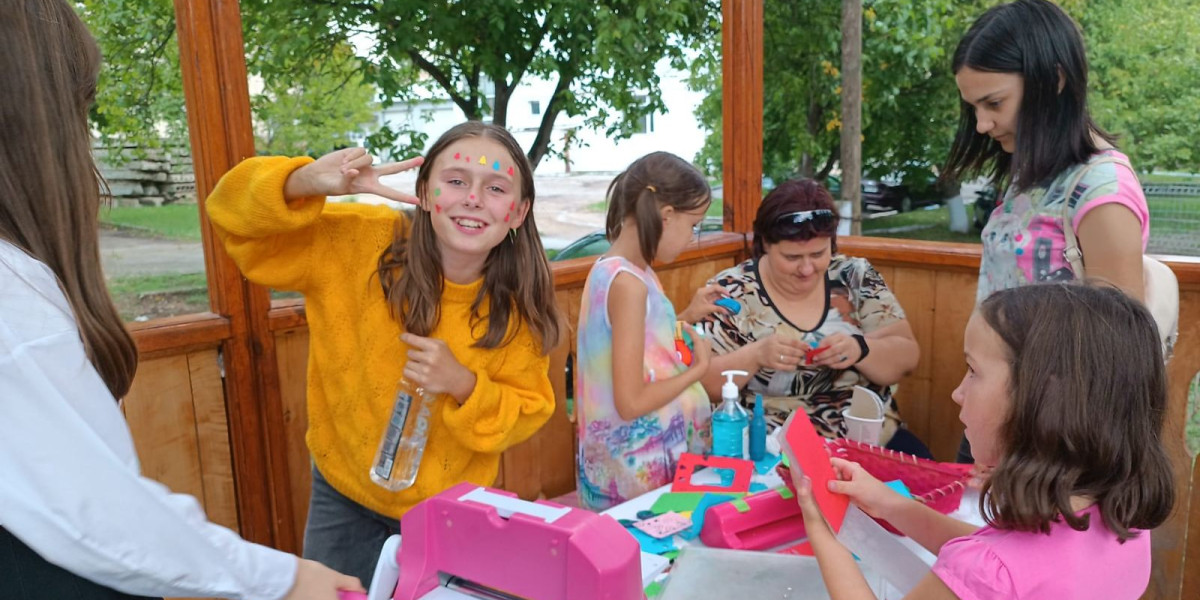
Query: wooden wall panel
291, 350
161, 416
212, 437
176, 414
955, 300
1175, 540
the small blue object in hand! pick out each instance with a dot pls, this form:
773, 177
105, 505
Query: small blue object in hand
729, 304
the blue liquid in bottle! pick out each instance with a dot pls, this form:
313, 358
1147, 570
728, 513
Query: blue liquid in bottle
728, 424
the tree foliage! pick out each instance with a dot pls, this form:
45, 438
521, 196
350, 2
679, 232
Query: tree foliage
1145, 78
1145, 62
601, 56
312, 108
908, 97
287, 121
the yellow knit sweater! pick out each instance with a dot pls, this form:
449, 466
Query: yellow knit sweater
329, 253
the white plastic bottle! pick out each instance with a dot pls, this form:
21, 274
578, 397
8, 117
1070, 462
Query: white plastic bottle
399, 455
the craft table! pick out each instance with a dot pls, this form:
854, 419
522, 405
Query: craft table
968, 511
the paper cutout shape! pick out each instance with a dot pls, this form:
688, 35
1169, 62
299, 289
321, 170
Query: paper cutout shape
678, 502
496, 166
806, 451
688, 463
510, 171
483, 160
651, 545
664, 525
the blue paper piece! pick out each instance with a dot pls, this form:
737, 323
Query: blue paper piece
709, 500
899, 487
767, 464
649, 543
756, 487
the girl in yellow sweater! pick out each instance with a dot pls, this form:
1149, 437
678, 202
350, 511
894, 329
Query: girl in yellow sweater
459, 302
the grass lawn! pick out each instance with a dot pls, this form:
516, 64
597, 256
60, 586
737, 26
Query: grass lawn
143, 297
173, 221
922, 224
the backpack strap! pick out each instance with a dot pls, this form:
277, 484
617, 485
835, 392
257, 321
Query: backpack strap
1071, 253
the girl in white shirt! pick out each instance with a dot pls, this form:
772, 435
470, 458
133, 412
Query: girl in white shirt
77, 519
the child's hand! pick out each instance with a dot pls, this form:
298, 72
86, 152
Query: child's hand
348, 171
433, 367
870, 494
779, 353
804, 495
315, 581
704, 303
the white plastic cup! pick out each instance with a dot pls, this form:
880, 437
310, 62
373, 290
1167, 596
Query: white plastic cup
859, 429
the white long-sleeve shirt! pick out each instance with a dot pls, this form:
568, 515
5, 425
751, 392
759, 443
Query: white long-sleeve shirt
70, 484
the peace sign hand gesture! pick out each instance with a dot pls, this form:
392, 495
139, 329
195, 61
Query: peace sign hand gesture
348, 171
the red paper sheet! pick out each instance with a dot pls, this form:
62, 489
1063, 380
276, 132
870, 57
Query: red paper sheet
806, 451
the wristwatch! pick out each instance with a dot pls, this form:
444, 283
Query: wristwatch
862, 345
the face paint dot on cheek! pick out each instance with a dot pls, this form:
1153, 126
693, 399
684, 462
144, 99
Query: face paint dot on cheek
505, 218
437, 191
513, 206
437, 207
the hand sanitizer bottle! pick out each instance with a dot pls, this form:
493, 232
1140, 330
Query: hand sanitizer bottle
729, 420
403, 444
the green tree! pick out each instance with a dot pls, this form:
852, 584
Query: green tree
333, 89
909, 101
312, 107
601, 56
1145, 66
139, 98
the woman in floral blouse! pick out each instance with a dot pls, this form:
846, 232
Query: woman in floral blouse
812, 323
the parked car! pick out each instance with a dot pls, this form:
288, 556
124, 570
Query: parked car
595, 243
985, 203
889, 194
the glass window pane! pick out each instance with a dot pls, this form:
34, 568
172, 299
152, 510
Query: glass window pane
624, 96
150, 239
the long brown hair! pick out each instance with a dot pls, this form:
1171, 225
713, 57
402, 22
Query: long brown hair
516, 275
49, 185
653, 181
1089, 395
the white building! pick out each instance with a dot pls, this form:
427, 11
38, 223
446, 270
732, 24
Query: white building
676, 130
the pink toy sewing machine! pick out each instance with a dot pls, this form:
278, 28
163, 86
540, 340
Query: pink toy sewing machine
488, 543
768, 519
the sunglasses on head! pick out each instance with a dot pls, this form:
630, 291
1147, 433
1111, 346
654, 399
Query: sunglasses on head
791, 223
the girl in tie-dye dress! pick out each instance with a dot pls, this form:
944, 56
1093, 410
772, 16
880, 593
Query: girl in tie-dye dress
639, 406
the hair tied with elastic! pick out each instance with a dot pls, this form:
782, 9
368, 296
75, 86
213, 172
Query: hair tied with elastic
652, 188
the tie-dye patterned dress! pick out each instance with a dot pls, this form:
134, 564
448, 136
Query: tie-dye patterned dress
617, 459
